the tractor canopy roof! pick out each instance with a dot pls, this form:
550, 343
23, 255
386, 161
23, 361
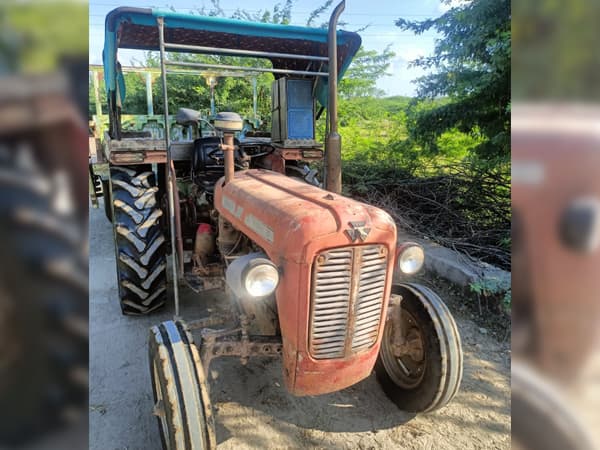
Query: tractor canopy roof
136, 28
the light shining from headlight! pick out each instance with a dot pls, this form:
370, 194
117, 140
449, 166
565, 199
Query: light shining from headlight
261, 280
411, 260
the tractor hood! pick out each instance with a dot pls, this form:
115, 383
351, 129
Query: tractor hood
285, 215
301, 228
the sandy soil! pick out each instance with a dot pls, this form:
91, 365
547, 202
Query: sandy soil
254, 411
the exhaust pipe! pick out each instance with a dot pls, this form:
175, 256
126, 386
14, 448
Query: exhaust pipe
333, 142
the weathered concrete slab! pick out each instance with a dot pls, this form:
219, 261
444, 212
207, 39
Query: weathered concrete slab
456, 267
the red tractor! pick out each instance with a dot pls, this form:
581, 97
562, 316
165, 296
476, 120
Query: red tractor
555, 258
308, 273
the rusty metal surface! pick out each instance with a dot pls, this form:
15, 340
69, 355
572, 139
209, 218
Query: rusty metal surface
299, 154
293, 222
138, 157
394, 318
203, 283
333, 141
262, 314
228, 148
235, 341
555, 160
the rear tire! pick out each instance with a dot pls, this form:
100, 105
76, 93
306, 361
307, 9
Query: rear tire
429, 377
43, 304
182, 403
139, 239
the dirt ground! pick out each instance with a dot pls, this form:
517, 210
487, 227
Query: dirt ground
253, 409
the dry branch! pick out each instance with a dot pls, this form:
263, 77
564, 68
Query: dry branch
466, 207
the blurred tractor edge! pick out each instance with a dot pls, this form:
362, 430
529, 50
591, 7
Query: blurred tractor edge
307, 272
555, 260
43, 271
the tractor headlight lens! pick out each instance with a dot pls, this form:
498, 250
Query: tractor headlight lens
411, 259
261, 280
580, 224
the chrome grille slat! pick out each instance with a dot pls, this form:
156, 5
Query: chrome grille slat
333, 332
371, 293
367, 319
329, 323
333, 301
367, 310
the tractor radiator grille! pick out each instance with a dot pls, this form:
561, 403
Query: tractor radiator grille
346, 300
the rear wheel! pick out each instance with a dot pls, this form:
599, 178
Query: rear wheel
424, 373
43, 301
139, 239
181, 400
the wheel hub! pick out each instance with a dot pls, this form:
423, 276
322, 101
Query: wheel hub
404, 360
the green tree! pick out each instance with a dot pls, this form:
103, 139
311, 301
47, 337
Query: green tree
135, 93
368, 66
42, 32
471, 64
555, 51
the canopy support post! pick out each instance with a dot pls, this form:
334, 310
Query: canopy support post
170, 171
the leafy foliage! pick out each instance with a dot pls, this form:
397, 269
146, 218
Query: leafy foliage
315, 14
368, 66
472, 71
34, 36
494, 287
555, 50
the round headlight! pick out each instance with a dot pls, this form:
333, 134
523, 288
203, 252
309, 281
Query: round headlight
411, 259
261, 280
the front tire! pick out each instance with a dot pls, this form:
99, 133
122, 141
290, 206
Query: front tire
139, 239
182, 403
541, 418
428, 372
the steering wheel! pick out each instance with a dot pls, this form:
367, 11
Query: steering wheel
211, 154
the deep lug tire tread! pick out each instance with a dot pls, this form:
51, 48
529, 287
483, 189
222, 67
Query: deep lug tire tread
45, 320
139, 240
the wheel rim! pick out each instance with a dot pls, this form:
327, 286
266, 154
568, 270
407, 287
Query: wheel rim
408, 370
159, 406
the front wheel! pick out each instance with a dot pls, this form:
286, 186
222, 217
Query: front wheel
422, 369
541, 417
181, 400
